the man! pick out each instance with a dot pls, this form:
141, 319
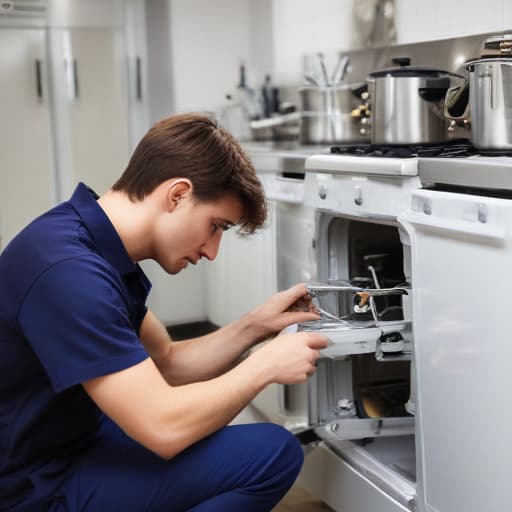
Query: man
99, 410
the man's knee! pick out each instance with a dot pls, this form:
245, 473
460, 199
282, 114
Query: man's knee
288, 454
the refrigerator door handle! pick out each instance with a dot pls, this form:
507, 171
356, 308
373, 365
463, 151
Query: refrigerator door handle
76, 88
138, 79
39, 80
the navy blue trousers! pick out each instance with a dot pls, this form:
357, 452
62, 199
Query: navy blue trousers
240, 468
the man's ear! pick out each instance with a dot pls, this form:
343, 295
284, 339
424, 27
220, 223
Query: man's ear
179, 189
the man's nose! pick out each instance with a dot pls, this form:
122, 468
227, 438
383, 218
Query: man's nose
210, 248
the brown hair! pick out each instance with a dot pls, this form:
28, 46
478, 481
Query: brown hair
194, 146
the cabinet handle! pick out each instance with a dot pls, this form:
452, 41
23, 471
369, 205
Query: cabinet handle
75, 79
138, 79
39, 81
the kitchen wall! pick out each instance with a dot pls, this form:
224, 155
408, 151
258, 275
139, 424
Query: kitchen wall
196, 47
418, 20
209, 39
301, 27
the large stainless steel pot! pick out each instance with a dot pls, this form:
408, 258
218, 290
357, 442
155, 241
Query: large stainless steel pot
406, 104
490, 103
326, 115
486, 96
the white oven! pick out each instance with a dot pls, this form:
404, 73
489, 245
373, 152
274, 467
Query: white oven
409, 404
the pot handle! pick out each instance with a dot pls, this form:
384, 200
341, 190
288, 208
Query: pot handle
456, 102
435, 89
401, 61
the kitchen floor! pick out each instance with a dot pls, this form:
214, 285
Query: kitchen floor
298, 500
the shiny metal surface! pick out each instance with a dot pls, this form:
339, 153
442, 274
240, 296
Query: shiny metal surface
326, 115
490, 97
400, 115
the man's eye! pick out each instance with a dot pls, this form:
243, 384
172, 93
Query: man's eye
217, 226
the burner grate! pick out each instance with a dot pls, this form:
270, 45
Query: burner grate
451, 149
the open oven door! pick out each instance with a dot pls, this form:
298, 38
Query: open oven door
461, 271
362, 384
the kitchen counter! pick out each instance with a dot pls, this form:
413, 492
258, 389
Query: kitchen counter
278, 157
282, 150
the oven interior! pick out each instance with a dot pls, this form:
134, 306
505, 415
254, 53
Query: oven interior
366, 255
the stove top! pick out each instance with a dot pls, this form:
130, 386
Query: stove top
456, 148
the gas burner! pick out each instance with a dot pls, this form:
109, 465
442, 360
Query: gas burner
450, 149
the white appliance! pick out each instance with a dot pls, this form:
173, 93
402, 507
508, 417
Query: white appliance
289, 249
68, 102
445, 231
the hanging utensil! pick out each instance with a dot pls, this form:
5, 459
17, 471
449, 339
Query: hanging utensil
310, 80
340, 70
325, 76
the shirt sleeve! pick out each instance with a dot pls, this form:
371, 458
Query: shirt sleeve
75, 317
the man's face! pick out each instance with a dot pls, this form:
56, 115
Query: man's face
193, 229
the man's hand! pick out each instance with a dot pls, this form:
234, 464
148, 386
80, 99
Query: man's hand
289, 358
276, 313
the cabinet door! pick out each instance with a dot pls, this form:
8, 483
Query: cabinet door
461, 253
242, 276
89, 71
26, 171
294, 253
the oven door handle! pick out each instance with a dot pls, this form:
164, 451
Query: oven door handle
477, 229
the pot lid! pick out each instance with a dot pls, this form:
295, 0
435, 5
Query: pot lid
411, 71
488, 59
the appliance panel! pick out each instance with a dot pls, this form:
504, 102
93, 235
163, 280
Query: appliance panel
347, 489
361, 165
461, 253
294, 252
359, 196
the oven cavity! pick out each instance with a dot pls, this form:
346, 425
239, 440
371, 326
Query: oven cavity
362, 387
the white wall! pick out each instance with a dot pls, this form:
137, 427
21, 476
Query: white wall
302, 27
210, 38
425, 20
209, 41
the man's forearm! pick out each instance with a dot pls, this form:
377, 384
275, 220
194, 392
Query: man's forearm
208, 356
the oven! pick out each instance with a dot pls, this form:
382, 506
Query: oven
361, 400
406, 408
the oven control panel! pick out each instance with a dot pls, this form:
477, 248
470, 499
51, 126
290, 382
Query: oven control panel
364, 196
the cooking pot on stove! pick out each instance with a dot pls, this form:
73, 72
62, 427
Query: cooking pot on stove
326, 116
406, 103
486, 96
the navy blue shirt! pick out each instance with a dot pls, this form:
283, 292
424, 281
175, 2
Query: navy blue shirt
71, 305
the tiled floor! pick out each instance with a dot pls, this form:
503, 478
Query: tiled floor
298, 500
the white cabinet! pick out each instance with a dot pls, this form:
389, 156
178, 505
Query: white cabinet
91, 106
243, 274
295, 226
461, 252
26, 166
67, 95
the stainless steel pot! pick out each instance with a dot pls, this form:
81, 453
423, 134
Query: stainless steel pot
326, 115
490, 103
406, 104
485, 99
